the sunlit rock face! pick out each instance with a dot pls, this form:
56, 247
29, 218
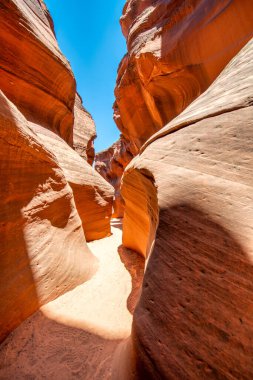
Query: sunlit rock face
193, 182
34, 74
175, 51
84, 132
43, 248
110, 164
51, 201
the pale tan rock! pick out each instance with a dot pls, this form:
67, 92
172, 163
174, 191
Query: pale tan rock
194, 316
84, 132
76, 335
110, 164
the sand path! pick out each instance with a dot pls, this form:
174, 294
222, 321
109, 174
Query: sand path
75, 336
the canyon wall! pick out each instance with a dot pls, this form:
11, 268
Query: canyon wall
52, 201
110, 164
84, 132
175, 50
192, 186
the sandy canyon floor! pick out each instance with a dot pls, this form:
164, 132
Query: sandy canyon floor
75, 336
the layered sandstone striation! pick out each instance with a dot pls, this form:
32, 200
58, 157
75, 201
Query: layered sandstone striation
192, 185
175, 51
93, 195
43, 248
34, 74
188, 199
52, 201
110, 164
84, 132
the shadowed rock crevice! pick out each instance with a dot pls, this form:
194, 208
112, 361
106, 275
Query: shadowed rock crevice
134, 264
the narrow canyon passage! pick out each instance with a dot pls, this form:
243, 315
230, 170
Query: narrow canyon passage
75, 336
132, 261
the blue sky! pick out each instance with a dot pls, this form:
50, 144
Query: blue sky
89, 35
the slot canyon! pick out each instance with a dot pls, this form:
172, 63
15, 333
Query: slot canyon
135, 262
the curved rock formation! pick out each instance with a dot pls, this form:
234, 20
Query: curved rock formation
110, 164
43, 249
175, 51
75, 336
42, 86
194, 318
46, 187
84, 132
35, 75
93, 195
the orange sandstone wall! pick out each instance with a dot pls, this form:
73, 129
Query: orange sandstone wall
43, 249
175, 50
110, 164
51, 200
33, 68
84, 132
194, 318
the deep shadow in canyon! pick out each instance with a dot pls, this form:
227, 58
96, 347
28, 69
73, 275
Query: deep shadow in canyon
194, 318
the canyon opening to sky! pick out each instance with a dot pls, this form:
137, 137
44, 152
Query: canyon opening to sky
126, 190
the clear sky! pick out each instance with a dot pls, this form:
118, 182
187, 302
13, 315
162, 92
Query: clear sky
89, 35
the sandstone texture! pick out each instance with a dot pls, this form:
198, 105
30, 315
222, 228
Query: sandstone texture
51, 201
192, 186
175, 51
43, 249
173, 297
35, 75
110, 164
92, 194
84, 132
75, 336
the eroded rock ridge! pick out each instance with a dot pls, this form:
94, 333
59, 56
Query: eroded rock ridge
175, 50
52, 201
188, 209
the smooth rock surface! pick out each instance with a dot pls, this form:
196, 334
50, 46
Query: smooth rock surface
93, 195
194, 318
50, 197
35, 76
43, 250
76, 335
